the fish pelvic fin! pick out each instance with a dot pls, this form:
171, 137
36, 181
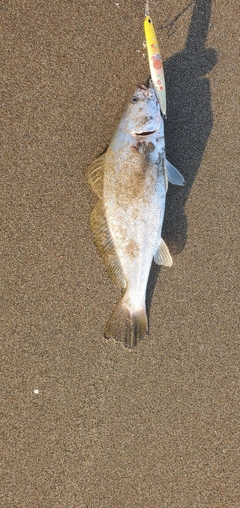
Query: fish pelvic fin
95, 175
104, 242
126, 326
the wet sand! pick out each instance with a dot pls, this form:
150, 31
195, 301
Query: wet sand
85, 422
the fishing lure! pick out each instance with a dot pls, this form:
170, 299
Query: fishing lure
155, 61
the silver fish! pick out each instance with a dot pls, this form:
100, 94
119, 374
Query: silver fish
131, 181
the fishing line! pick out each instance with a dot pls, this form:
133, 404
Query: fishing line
147, 8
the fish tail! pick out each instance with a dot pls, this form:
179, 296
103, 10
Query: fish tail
127, 326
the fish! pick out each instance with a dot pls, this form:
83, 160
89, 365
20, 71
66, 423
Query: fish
155, 62
131, 180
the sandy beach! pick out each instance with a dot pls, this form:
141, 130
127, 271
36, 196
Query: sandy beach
85, 422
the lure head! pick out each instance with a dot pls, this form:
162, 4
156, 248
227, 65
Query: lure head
148, 25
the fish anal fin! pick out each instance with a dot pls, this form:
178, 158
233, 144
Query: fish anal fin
163, 256
103, 240
95, 175
173, 175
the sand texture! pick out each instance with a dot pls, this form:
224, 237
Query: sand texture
85, 422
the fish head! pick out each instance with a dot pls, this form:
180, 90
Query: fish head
143, 116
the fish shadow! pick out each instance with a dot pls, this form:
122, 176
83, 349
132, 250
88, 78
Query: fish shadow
152, 280
188, 124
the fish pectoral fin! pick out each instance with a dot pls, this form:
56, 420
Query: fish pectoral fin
95, 175
104, 242
174, 176
163, 256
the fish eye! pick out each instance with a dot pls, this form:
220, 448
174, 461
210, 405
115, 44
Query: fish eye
134, 99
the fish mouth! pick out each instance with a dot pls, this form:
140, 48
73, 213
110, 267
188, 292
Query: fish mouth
145, 133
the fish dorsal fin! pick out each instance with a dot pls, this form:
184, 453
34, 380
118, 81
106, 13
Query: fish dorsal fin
95, 175
103, 240
163, 256
174, 176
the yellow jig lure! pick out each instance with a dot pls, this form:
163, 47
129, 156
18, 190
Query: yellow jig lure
155, 62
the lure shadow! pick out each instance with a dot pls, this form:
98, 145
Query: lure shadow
188, 125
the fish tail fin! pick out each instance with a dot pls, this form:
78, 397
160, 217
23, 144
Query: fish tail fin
127, 326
